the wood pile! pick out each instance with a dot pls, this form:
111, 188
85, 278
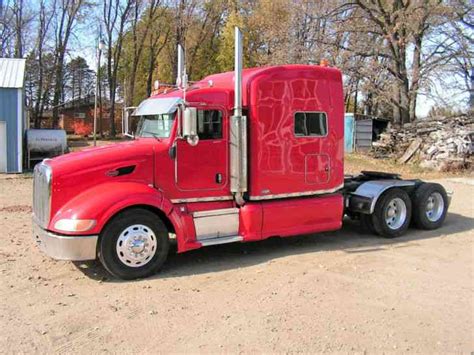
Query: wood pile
445, 143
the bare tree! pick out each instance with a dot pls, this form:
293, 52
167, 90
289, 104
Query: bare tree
43, 29
116, 14
65, 19
154, 45
17, 10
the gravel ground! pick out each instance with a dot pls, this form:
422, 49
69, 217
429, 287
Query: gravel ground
332, 292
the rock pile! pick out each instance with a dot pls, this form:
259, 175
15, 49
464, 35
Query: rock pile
445, 143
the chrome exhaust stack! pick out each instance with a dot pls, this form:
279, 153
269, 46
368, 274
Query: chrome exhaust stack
180, 72
238, 129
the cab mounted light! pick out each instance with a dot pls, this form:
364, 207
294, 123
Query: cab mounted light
75, 225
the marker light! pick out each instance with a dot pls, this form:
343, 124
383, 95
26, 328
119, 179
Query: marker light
74, 225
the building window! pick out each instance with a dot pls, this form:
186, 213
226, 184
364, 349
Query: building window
79, 115
312, 124
209, 124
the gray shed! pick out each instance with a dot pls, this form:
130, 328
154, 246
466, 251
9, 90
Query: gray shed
12, 114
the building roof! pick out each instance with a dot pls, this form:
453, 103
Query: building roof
12, 72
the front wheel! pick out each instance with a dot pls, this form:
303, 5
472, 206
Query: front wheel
392, 213
134, 244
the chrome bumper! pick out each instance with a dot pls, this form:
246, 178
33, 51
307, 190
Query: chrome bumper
65, 248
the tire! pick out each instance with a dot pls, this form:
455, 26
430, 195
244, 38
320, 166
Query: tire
434, 196
134, 244
366, 223
392, 213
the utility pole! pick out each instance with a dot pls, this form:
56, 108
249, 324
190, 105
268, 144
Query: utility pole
100, 47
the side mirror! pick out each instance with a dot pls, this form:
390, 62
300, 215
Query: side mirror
190, 125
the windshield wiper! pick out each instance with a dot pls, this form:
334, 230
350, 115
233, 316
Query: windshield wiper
158, 138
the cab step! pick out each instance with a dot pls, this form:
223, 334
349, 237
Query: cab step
220, 240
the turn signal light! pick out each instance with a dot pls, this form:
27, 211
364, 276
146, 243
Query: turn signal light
74, 225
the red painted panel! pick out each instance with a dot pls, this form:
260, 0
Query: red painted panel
278, 160
317, 169
198, 166
250, 221
302, 215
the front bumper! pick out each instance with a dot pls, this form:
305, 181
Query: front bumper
65, 247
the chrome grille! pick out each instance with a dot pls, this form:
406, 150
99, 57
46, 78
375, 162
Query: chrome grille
42, 194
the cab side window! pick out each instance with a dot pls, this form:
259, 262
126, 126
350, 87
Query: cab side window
311, 124
209, 124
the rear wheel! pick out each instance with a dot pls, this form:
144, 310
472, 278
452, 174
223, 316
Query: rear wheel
392, 213
430, 203
134, 244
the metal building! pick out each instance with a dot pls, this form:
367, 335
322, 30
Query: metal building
12, 114
361, 131
349, 132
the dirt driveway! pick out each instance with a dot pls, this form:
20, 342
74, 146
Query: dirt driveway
342, 291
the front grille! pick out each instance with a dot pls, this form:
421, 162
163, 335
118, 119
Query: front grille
42, 194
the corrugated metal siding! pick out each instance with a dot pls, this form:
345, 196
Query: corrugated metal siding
12, 72
348, 133
363, 134
9, 113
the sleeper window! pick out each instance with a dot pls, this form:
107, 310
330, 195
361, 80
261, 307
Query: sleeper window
312, 124
209, 124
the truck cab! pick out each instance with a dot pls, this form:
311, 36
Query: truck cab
238, 156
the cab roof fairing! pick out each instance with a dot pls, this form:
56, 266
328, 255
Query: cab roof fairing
158, 106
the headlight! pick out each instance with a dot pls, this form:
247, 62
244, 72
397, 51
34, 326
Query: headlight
74, 225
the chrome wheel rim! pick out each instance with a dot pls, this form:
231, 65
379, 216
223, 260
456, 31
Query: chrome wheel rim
136, 245
395, 213
434, 207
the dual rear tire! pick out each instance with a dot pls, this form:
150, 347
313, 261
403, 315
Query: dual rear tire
395, 210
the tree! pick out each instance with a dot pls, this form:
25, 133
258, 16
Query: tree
64, 21
79, 79
116, 14
157, 40
225, 57
453, 57
38, 53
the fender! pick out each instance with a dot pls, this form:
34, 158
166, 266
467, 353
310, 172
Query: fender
364, 198
104, 201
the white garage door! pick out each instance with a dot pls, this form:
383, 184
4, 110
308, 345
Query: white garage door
3, 147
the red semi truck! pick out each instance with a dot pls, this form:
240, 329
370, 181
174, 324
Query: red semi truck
236, 157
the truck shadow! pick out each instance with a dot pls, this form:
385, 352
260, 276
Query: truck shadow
350, 239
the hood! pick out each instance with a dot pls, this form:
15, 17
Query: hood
127, 161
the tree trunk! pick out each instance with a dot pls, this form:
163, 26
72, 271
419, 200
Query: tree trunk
356, 95
415, 81
471, 91
18, 10
58, 84
395, 107
151, 66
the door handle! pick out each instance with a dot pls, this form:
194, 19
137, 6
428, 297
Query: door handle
218, 178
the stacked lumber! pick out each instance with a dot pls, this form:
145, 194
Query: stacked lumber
444, 143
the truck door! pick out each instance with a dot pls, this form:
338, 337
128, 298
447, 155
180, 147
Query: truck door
205, 165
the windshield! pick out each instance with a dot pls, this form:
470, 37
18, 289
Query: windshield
158, 126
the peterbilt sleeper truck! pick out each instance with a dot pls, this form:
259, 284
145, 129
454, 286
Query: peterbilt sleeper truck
236, 157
